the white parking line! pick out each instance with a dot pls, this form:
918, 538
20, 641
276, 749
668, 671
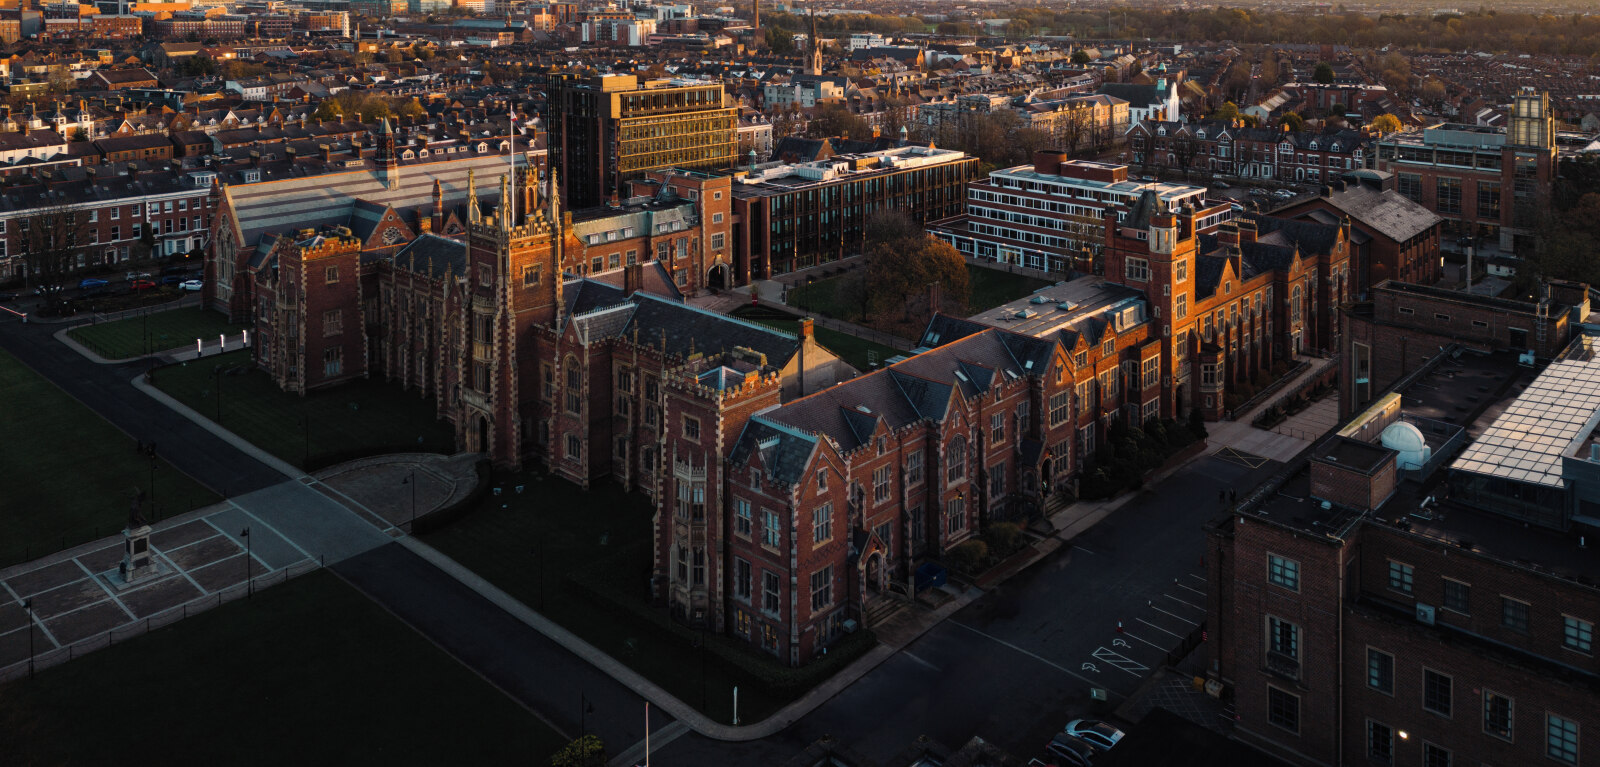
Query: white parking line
1062, 669
1199, 578
1082, 549
917, 660
1191, 588
1158, 628
1181, 602
1142, 639
1120, 662
1175, 615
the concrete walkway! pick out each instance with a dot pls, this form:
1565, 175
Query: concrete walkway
165, 357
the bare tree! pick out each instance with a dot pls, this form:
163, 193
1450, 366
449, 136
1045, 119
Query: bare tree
1185, 148
51, 239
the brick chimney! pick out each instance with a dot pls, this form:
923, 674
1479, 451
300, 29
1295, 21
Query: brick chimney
806, 328
1048, 161
632, 279
1228, 233
1247, 230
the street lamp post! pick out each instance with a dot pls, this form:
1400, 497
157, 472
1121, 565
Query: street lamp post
585, 708
27, 604
249, 587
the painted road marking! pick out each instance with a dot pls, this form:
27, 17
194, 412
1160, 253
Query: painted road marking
1181, 602
918, 660
1200, 578
1142, 639
1082, 549
1120, 662
1191, 588
1158, 628
1175, 615
1090, 667
1035, 656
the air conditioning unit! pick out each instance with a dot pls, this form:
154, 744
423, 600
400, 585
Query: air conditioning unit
1425, 614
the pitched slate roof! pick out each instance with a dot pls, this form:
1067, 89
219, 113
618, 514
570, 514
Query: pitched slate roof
1387, 212
433, 256
784, 450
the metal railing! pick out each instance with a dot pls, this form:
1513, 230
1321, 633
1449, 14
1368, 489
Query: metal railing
166, 617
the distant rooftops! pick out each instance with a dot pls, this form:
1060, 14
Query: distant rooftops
780, 177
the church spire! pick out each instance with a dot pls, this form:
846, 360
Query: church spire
814, 54
507, 205
473, 214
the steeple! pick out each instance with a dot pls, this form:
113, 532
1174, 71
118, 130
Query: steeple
755, 17
386, 158
474, 216
438, 206
504, 212
814, 54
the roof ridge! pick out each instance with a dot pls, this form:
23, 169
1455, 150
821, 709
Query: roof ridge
718, 315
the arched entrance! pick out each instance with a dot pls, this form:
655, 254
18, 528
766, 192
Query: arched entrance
483, 435
717, 278
875, 573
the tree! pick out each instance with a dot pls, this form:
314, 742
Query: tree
900, 270
780, 41
327, 110
1081, 56
1433, 91
51, 240
1323, 73
947, 29
410, 108
373, 110
833, 120
1228, 112
587, 751
1185, 148
1292, 121
1385, 124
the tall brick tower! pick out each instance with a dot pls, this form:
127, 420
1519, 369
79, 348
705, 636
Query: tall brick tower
512, 300
387, 158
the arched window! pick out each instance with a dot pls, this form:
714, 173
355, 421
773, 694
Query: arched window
1294, 305
957, 457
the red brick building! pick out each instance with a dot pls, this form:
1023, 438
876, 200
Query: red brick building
1392, 236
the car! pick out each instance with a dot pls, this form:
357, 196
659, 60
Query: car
142, 284
1147, 178
1283, 194
1256, 191
131, 276
1070, 750
1219, 185
191, 285
92, 282
1100, 735
170, 279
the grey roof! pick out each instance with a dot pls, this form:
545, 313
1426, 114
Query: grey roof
784, 450
433, 255
1387, 212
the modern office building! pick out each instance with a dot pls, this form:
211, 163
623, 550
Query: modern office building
609, 129
1488, 183
1051, 215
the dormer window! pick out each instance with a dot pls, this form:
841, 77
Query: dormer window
1313, 145
1161, 131
1335, 147
1200, 134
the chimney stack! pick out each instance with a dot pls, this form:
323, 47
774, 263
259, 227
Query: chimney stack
632, 279
806, 327
1247, 230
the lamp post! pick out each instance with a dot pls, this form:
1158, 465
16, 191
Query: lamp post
249, 587
27, 604
585, 708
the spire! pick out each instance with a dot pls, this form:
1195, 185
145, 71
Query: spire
814, 64
507, 204
474, 216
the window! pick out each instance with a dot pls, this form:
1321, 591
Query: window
1283, 709
1380, 742
1489, 200
1380, 671
769, 592
880, 483
699, 566
333, 322
822, 588
1577, 634
1435, 692
485, 276
914, 468
1180, 270
822, 524
691, 428
1109, 348
530, 276
1435, 756
1400, 575
997, 428
741, 517
330, 274
1497, 714
1457, 596
1180, 309
1410, 185
741, 578
1060, 406
1137, 270
955, 512
716, 240
1514, 614
1283, 637
683, 564
1448, 202
997, 482
332, 361
958, 459
822, 480
1283, 572
1561, 739
769, 528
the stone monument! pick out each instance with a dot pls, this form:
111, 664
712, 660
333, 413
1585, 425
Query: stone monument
138, 562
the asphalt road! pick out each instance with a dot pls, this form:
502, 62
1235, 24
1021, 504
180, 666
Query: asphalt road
1018, 663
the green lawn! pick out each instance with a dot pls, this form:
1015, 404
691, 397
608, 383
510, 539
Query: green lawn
993, 287
601, 538
155, 332
989, 288
355, 418
859, 352
70, 474
308, 672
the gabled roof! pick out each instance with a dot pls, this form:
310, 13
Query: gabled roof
784, 450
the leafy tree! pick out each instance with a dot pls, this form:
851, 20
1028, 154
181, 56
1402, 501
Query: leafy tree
780, 41
1229, 112
327, 110
374, 110
1293, 121
587, 751
1433, 90
410, 108
834, 120
901, 270
1322, 73
1080, 56
947, 28
1385, 124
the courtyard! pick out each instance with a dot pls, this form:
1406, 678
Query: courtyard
154, 332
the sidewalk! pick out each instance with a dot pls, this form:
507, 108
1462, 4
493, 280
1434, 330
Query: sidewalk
166, 357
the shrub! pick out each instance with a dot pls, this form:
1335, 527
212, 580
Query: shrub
587, 751
968, 556
1003, 538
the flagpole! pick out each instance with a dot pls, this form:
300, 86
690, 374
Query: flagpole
512, 130
647, 733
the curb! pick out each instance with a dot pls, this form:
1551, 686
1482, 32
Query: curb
272, 461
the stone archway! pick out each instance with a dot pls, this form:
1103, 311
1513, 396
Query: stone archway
875, 573
718, 277
482, 445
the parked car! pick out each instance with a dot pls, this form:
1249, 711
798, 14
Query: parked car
1219, 185
1070, 751
191, 285
171, 279
92, 282
46, 289
1147, 178
1256, 191
9, 295
132, 276
1094, 732
143, 284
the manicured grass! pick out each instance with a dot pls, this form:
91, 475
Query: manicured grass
989, 288
594, 579
361, 417
156, 332
993, 287
307, 672
859, 352
69, 474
